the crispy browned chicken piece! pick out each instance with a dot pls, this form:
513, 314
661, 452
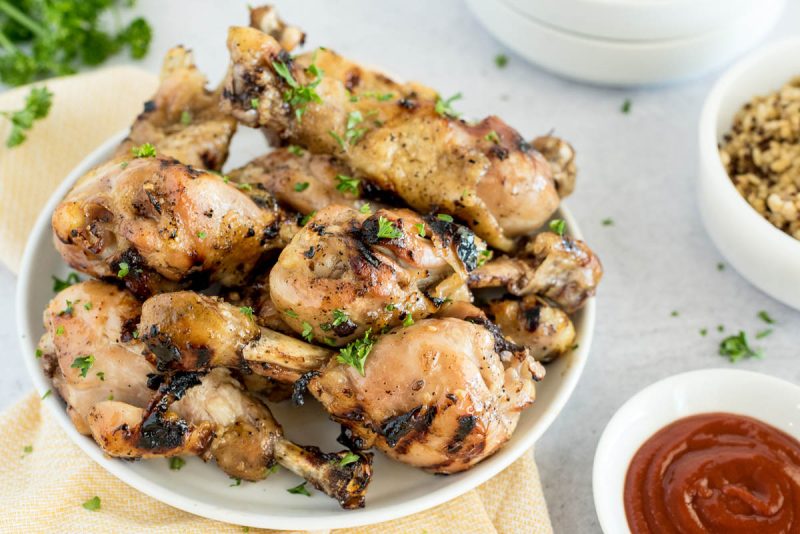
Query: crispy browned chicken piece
265, 18
156, 225
183, 119
92, 353
213, 417
561, 157
442, 394
188, 331
561, 269
347, 272
408, 144
547, 332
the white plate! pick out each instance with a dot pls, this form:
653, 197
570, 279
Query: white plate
764, 255
766, 398
623, 63
203, 489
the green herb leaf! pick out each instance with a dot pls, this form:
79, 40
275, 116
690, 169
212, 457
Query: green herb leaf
444, 107
299, 96
349, 458
247, 311
558, 226
60, 330
176, 462
764, 316
37, 106
501, 60
365, 209
254, 103
703, 332
244, 187
355, 353
301, 186
59, 285
83, 363
101, 375
144, 151
299, 490
387, 229
339, 317
306, 218
27, 449
124, 270
761, 334
236, 482
347, 184
186, 118
294, 149
202, 235
92, 504
408, 320
444, 217
308, 332
736, 348
626, 106
720, 266
38, 353
87, 306
608, 222
484, 256
290, 313
492, 137
420, 229
46, 394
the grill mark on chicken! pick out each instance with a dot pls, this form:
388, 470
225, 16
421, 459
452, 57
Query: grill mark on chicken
300, 387
465, 425
351, 440
463, 237
532, 316
501, 344
417, 420
159, 431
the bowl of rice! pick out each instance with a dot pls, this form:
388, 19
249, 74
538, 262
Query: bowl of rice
749, 176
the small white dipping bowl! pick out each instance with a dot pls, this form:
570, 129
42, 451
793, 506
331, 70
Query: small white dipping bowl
764, 255
766, 398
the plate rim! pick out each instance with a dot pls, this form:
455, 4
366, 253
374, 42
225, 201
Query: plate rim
462, 483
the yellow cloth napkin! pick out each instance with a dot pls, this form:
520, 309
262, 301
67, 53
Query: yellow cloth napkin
45, 477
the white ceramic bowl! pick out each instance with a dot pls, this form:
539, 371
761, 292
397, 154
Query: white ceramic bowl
396, 490
620, 62
642, 20
771, 400
764, 255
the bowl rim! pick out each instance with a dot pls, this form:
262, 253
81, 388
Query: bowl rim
715, 173
610, 509
462, 483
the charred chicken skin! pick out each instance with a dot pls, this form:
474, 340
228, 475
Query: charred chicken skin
157, 225
183, 120
410, 144
347, 272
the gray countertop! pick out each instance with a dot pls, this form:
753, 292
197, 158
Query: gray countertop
638, 169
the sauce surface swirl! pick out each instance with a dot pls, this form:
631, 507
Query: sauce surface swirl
715, 473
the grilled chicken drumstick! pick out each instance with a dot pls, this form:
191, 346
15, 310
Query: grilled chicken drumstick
91, 351
157, 225
559, 268
408, 143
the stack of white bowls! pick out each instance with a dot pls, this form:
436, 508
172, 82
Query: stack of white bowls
628, 42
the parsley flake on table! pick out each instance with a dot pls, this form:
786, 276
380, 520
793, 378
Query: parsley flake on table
37, 106
92, 504
299, 490
176, 462
558, 226
46, 394
59, 285
626, 106
761, 334
764, 316
720, 266
501, 60
355, 353
608, 222
387, 229
445, 107
349, 458
83, 363
736, 348
145, 150
347, 184
236, 482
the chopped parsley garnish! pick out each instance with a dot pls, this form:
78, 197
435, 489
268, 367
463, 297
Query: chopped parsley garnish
46, 394
38, 353
484, 256
135, 334
253, 103
68, 309
92, 504
720, 266
444, 217
299, 490
365, 209
307, 218
736, 348
389, 307
87, 306
37, 106
764, 316
294, 149
674, 313
299, 96
290, 313
558, 226
347, 184
492, 137
60, 331
83, 363
380, 97
387, 229
59, 285
101, 375
308, 332
186, 118
626, 106
420, 229
244, 187
301, 186
339, 317
761, 334
720, 328
703, 332
236, 482
27, 449
124, 269
247, 311
144, 151
408, 320
202, 235
355, 353
444, 107
352, 135
608, 222
124, 164
176, 462
501, 60
274, 469
338, 139
349, 458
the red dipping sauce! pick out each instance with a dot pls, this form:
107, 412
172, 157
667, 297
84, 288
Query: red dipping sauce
715, 473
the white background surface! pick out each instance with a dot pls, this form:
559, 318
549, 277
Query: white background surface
638, 169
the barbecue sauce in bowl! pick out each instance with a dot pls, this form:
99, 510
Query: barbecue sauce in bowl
715, 473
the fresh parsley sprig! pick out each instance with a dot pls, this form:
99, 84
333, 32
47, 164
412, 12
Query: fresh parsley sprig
37, 106
355, 354
299, 96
